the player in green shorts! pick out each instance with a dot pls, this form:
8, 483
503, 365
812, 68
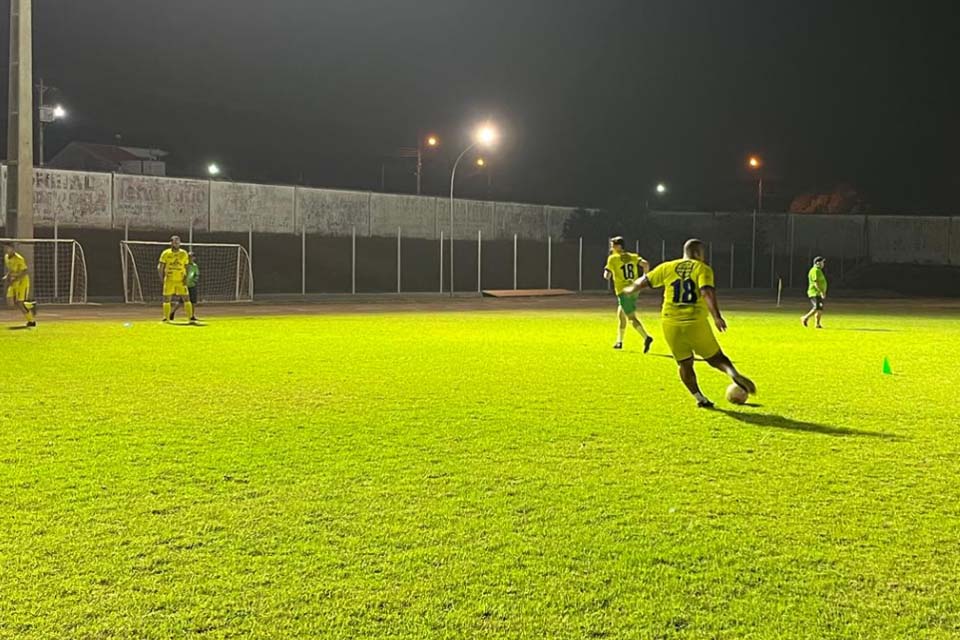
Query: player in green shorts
816, 291
623, 268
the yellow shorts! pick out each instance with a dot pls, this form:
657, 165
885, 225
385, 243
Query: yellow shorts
174, 288
19, 290
688, 338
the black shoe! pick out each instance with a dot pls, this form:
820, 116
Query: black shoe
32, 323
704, 404
646, 344
173, 314
193, 321
745, 383
618, 345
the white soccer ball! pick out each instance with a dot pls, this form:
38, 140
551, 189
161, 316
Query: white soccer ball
736, 394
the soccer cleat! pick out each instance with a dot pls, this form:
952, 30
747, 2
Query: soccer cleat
618, 345
704, 404
193, 321
32, 323
745, 383
805, 321
819, 326
646, 344
173, 314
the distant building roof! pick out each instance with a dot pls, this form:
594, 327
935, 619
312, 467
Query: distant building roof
115, 154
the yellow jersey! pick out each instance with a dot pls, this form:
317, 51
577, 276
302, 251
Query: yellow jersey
682, 281
174, 264
15, 264
624, 268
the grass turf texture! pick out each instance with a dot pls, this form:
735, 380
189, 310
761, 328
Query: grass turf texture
476, 475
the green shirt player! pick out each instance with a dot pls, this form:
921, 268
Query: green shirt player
193, 279
816, 291
623, 268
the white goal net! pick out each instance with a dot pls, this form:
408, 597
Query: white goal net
225, 271
58, 269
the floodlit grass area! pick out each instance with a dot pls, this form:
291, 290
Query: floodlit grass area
477, 475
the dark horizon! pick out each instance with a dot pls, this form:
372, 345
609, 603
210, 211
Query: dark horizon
598, 101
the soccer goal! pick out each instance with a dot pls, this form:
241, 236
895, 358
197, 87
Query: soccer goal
58, 269
226, 274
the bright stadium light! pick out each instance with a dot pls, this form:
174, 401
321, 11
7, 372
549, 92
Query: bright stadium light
59, 113
486, 135
481, 162
661, 188
213, 169
432, 141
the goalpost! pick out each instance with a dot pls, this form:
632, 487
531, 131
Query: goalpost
58, 269
226, 274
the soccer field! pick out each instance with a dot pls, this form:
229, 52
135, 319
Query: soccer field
477, 475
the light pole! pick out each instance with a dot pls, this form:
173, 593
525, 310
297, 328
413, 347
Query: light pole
485, 136
756, 164
432, 142
48, 114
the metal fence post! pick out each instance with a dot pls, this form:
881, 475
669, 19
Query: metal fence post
663, 251
733, 247
753, 254
126, 230
398, 260
441, 261
773, 266
711, 252
190, 236
514, 262
250, 244
580, 266
303, 260
56, 258
549, 263
353, 260
479, 259
793, 235
636, 247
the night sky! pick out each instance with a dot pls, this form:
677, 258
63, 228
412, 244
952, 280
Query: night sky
597, 99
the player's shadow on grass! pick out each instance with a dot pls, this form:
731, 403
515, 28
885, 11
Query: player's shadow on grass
868, 330
781, 422
19, 328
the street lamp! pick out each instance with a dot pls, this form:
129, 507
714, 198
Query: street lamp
213, 169
481, 162
661, 189
432, 142
485, 136
756, 163
48, 114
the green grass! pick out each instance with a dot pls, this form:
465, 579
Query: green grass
476, 475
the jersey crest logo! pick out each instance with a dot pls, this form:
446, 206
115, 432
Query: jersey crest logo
684, 269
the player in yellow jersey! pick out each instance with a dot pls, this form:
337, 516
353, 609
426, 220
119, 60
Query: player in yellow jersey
623, 268
689, 297
173, 274
16, 276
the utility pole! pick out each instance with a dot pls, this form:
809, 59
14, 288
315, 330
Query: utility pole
41, 102
19, 223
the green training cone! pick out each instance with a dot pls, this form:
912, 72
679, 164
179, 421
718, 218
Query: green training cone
887, 370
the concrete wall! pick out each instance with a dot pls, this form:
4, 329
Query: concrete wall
105, 201
903, 239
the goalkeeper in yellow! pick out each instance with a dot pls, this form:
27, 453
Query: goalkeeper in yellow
173, 274
689, 296
623, 268
16, 276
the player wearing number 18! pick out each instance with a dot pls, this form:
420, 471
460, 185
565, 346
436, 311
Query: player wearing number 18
173, 273
624, 268
689, 296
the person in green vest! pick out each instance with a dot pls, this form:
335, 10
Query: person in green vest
816, 291
193, 279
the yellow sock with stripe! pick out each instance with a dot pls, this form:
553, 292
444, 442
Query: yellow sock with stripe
166, 310
189, 307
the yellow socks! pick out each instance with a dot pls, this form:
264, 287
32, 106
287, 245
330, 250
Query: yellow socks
166, 310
